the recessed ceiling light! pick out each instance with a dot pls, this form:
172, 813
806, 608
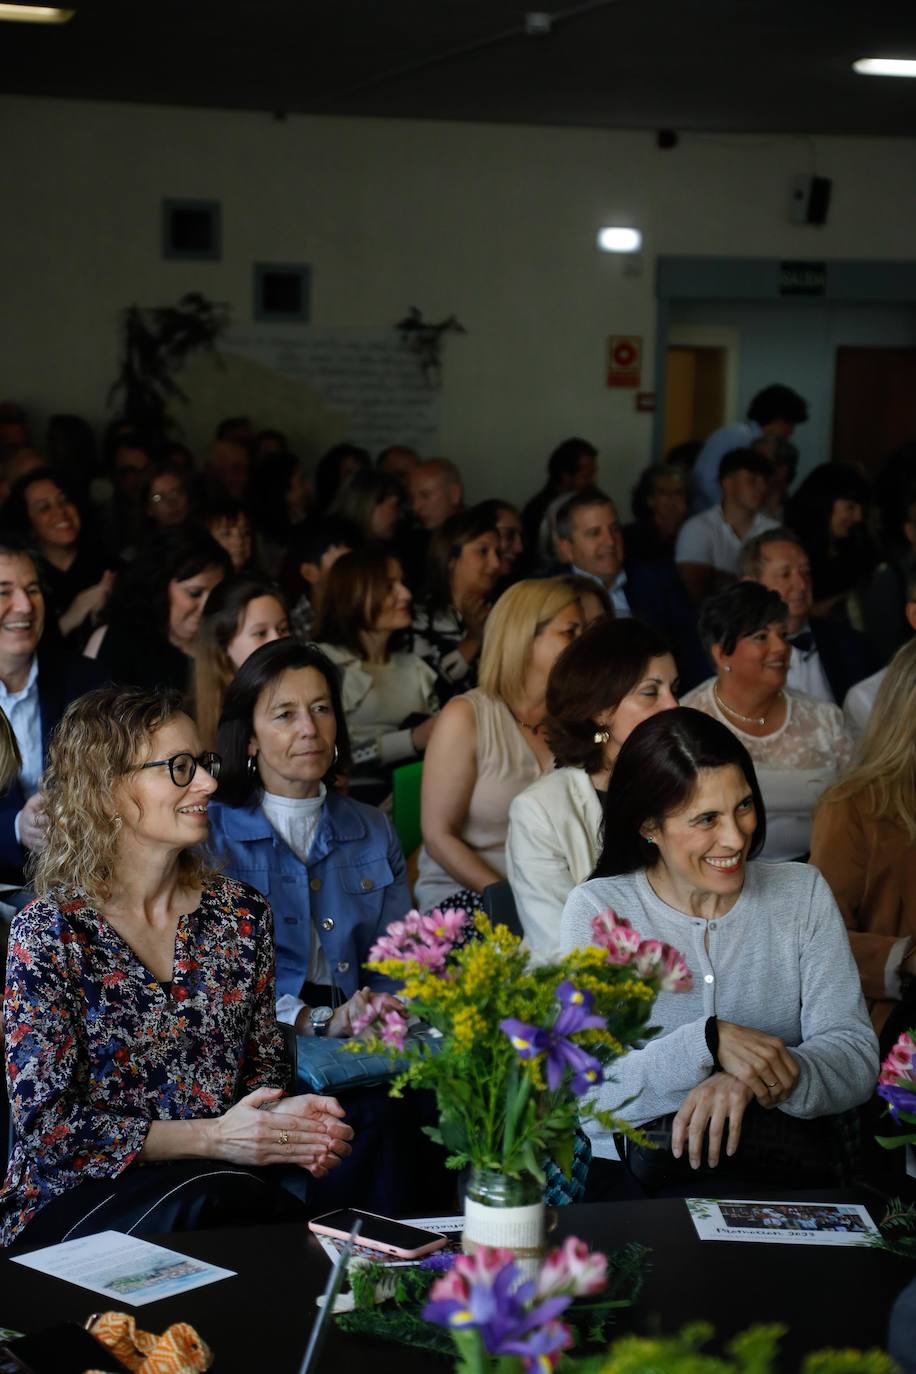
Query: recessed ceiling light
885, 66
35, 14
619, 240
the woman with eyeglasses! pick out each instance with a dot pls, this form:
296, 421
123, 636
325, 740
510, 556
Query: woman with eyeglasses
143, 1055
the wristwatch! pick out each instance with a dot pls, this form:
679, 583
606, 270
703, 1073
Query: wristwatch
320, 1019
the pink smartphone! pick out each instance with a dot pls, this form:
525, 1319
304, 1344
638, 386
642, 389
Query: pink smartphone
379, 1233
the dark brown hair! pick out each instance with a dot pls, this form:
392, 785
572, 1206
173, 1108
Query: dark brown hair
594, 674
356, 586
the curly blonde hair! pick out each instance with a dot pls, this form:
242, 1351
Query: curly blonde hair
101, 737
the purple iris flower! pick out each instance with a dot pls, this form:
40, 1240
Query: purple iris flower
575, 1015
497, 1310
898, 1099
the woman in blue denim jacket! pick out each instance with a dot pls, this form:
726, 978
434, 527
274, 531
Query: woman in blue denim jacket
331, 867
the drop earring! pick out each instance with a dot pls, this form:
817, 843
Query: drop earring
601, 736
726, 668
252, 768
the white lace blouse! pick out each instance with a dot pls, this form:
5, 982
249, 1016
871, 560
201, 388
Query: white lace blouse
794, 764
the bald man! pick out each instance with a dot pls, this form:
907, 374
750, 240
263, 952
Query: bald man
436, 492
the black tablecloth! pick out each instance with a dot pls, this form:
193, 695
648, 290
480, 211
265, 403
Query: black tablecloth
260, 1320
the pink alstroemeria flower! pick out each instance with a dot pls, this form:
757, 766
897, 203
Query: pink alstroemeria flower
572, 1268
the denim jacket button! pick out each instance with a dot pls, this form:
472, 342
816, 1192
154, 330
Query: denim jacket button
315, 884
327, 923
343, 966
366, 884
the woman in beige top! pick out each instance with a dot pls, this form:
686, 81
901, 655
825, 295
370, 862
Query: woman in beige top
488, 745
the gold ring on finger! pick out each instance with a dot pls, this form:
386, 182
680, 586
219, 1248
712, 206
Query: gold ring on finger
283, 1138
771, 1085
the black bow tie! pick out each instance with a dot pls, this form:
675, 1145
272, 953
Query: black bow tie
803, 642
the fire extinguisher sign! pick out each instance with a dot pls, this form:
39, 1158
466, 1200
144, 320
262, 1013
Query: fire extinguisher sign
624, 360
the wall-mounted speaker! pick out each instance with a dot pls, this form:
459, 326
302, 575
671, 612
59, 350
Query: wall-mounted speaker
810, 199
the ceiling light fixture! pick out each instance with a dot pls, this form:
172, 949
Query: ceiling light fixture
35, 14
885, 66
616, 239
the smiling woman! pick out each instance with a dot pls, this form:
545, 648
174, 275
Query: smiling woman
776, 1014
140, 1002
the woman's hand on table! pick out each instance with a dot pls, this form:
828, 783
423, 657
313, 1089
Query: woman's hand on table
267, 1128
760, 1061
717, 1102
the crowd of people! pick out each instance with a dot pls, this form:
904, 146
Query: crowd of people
210, 675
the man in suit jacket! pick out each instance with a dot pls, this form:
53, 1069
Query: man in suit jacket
590, 539
38, 680
827, 656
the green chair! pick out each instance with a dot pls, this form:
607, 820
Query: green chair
405, 805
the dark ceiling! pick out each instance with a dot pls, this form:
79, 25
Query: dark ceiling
743, 65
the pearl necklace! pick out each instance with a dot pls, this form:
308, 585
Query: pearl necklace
748, 720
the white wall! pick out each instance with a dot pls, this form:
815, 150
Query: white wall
494, 223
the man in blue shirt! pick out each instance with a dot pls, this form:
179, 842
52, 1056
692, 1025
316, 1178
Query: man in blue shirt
775, 412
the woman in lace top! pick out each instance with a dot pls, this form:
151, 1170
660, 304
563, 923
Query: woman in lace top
798, 744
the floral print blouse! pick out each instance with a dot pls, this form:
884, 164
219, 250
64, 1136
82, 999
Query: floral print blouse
97, 1048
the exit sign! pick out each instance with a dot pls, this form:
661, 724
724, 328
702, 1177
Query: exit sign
802, 278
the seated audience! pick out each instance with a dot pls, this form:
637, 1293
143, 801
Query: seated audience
827, 656
166, 496
508, 525
774, 412
226, 470
78, 579
127, 1055
228, 523
609, 679
462, 572
864, 841
489, 744
884, 600
389, 695
154, 615
592, 597
71, 447
783, 457
659, 505
799, 744
371, 502
709, 544
775, 1014
120, 516
267, 442
279, 503
436, 492
331, 865
828, 515
242, 613
589, 540
573, 466
334, 468
398, 460
14, 429
38, 679
860, 699
10, 757
314, 548
236, 429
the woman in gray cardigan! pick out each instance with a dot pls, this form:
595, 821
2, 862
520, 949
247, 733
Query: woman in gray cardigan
775, 1013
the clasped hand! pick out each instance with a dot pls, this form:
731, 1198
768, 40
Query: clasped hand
758, 1060
267, 1128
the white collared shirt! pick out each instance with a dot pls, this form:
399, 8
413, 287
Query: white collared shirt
806, 672
23, 711
616, 591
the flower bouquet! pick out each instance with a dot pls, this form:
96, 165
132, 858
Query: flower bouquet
522, 1050
897, 1085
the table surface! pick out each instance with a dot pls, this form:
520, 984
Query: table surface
260, 1319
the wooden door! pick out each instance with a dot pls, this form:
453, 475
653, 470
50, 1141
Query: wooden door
874, 403
694, 393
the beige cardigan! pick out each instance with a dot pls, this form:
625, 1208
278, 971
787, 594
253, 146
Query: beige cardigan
553, 842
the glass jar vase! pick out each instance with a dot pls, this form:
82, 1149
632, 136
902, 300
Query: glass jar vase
506, 1212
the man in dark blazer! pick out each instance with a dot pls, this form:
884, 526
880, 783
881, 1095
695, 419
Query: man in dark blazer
38, 680
589, 538
828, 657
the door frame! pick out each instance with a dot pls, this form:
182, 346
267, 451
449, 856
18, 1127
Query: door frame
856, 281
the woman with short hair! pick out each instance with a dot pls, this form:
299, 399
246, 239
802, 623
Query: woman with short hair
372, 502
775, 1012
139, 1009
798, 743
864, 842
389, 694
489, 744
616, 674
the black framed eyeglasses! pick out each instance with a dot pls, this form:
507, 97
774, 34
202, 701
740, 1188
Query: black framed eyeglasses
182, 767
